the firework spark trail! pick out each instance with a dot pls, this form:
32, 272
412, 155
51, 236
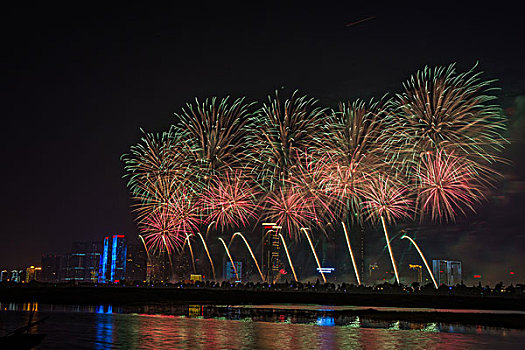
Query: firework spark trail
422, 257
288, 256
390, 249
230, 257
385, 199
230, 200
250, 250
445, 185
351, 253
313, 252
188, 236
208, 253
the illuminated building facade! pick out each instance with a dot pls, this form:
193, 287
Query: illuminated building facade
82, 264
112, 262
271, 252
447, 272
229, 271
32, 273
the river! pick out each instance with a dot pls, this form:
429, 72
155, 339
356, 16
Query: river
211, 327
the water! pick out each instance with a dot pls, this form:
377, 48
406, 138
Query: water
211, 327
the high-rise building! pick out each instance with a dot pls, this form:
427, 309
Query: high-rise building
15, 276
233, 272
82, 264
33, 274
51, 268
112, 262
136, 263
447, 272
271, 251
159, 269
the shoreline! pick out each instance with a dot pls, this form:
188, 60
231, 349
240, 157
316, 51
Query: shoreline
124, 295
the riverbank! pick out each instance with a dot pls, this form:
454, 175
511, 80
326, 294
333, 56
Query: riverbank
125, 295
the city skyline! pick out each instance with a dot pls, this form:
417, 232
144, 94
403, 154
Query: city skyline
69, 125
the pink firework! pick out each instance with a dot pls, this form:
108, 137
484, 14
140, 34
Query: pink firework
343, 183
384, 198
160, 232
185, 212
309, 176
446, 186
230, 200
291, 209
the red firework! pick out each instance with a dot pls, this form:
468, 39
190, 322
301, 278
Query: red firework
160, 231
446, 185
310, 178
231, 201
384, 198
291, 209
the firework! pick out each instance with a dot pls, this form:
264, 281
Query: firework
384, 198
422, 257
160, 231
214, 135
280, 129
446, 185
230, 201
441, 109
309, 177
354, 149
290, 209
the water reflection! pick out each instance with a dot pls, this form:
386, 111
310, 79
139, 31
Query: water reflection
215, 327
104, 331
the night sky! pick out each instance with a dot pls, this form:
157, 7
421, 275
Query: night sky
77, 85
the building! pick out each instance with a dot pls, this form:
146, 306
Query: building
4, 276
447, 272
233, 272
136, 262
112, 261
159, 269
82, 264
33, 274
271, 251
16, 276
51, 268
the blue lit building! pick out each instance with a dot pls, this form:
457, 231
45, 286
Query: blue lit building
113, 260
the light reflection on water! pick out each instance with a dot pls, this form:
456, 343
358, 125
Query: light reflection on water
106, 327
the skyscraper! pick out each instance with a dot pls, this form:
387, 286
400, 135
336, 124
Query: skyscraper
271, 251
112, 268
447, 272
82, 264
51, 268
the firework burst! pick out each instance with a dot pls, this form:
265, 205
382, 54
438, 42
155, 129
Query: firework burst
160, 231
441, 109
214, 135
281, 129
230, 200
290, 209
385, 198
446, 185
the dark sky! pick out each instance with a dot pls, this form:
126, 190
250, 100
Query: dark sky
78, 84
